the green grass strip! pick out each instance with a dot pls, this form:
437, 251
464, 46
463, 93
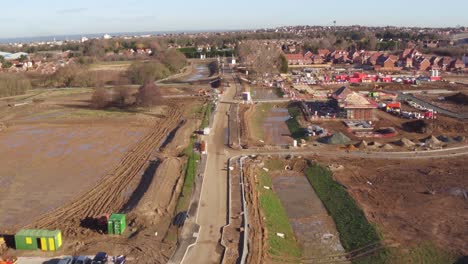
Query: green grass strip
277, 221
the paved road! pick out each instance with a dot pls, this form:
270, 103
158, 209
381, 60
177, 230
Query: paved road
212, 212
426, 104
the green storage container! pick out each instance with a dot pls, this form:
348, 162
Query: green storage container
33, 239
116, 224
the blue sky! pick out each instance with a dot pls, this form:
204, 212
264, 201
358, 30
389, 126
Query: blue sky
20, 18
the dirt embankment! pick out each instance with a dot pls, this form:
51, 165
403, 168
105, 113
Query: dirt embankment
412, 201
257, 232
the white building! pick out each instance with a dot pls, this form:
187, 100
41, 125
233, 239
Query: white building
107, 36
84, 39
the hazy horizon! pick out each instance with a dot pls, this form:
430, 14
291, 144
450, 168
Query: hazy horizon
87, 17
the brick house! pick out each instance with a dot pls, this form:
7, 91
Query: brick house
295, 59
354, 105
323, 53
317, 59
457, 64
423, 64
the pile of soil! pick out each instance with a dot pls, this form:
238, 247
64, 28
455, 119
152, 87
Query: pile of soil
459, 98
362, 145
387, 147
432, 141
404, 142
336, 139
418, 126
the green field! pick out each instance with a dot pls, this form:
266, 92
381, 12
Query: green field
277, 221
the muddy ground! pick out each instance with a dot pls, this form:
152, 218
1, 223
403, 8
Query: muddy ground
62, 164
265, 125
411, 201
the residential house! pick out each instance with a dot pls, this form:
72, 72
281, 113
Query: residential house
355, 105
422, 64
389, 63
295, 58
339, 56
317, 59
308, 55
292, 48
457, 64
374, 58
435, 62
323, 53
444, 63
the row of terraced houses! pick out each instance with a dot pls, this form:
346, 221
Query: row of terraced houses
409, 59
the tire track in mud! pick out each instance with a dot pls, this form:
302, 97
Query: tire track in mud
109, 194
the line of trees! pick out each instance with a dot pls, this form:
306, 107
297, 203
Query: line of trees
148, 95
13, 84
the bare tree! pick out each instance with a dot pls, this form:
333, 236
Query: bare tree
148, 95
101, 98
122, 96
262, 58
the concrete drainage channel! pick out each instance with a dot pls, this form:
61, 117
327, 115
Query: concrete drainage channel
233, 230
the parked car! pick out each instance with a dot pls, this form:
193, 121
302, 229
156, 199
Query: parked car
82, 260
119, 259
66, 260
100, 258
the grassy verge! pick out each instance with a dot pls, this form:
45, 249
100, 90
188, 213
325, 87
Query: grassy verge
207, 109
277, 221
189, 179
261, 111
297, 131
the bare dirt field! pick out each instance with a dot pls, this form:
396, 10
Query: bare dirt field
64, 164
43, 166
412, 202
